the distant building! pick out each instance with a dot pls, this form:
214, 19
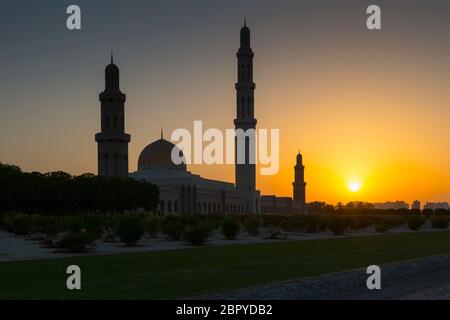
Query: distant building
277, 205
391, 205
436, 205
415, 205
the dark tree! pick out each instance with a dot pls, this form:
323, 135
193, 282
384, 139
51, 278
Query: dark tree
60, 192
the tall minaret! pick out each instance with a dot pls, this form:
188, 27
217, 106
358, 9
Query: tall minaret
112, 141
245, 119
299, 183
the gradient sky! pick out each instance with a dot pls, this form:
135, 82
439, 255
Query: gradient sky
369, 106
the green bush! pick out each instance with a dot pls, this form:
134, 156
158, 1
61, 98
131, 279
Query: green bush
322, 222
439, 222
415, 222
337, 225
216, 220
441, 211
230, 227
173, 228
49, 227
110, 229
94, 224
198, 233
393, 220
267, 220
76, 242
353, 222
382, 227
364, 221
288, 224
73, 224
153, 225
312, 222
21, 225
3, 221
275, 233
273, 220
252, 225
130, 230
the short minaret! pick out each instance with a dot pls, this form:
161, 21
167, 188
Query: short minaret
299, 184
112, 141
245, 119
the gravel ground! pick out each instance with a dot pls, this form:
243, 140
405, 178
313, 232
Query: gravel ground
421, 279
21, 248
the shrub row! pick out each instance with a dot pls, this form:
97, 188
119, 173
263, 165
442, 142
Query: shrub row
78, 233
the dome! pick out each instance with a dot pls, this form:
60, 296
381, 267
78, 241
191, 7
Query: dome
158, 155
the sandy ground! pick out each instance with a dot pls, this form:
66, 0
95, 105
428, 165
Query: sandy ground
421, 279
22, 248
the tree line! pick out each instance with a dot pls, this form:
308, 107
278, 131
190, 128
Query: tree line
365, 208
61, 193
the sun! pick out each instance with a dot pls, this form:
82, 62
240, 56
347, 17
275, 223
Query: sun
354, 186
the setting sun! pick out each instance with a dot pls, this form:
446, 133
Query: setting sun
354, 186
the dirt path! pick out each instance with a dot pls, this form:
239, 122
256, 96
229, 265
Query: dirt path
427, 278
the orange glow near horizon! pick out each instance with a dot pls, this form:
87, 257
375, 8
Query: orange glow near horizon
366, 108
382, 142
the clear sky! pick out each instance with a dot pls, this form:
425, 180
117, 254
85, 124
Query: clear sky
369, 107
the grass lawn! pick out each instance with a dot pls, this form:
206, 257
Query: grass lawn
190, 272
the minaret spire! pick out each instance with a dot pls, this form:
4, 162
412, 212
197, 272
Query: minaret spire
112, 56
162, 133
112, 140
299, 184
245, 169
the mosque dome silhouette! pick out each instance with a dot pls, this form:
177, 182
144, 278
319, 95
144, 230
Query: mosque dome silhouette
158, 155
